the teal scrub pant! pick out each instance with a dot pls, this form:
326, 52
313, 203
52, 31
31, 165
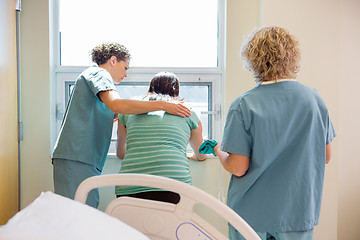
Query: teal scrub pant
302, 235
69, 174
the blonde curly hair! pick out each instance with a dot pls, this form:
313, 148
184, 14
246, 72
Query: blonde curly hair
271, 53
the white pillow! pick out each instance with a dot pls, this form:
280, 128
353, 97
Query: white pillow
52, 216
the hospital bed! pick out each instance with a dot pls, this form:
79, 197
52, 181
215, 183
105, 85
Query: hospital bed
54, 217
165, 221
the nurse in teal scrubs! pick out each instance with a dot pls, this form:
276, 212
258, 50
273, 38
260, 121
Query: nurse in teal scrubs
84, 139
276, 142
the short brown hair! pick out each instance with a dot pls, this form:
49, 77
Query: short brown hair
271, 53
102, 53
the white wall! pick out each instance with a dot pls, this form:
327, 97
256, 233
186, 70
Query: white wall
348, 121
329, 35
35, 165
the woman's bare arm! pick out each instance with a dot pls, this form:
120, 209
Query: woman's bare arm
121, 141
328, 152
196, 139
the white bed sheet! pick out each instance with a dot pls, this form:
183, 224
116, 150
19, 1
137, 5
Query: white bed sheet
52, 216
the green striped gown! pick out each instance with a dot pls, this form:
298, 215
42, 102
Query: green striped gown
156, 144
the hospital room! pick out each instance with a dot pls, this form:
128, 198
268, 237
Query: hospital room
46, 44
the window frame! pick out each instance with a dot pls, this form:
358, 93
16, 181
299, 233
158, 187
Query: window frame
214, 76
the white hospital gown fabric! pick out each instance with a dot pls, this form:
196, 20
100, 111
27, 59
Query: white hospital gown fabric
284, 128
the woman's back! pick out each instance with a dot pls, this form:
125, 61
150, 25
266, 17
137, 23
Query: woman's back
156, 144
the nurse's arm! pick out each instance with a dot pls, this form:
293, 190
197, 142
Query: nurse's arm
328, 152
124, 106
233, 163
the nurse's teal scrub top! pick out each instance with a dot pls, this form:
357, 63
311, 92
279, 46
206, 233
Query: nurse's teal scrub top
284, 128
86, 129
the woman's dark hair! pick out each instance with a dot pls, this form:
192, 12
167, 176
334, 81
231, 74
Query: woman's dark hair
102, 53
165, 83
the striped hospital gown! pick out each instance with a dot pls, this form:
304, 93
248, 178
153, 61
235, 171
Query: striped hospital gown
156, 144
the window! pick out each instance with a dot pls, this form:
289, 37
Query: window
180, 36
158, 33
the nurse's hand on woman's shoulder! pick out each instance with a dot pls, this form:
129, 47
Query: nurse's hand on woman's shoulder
177, 109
